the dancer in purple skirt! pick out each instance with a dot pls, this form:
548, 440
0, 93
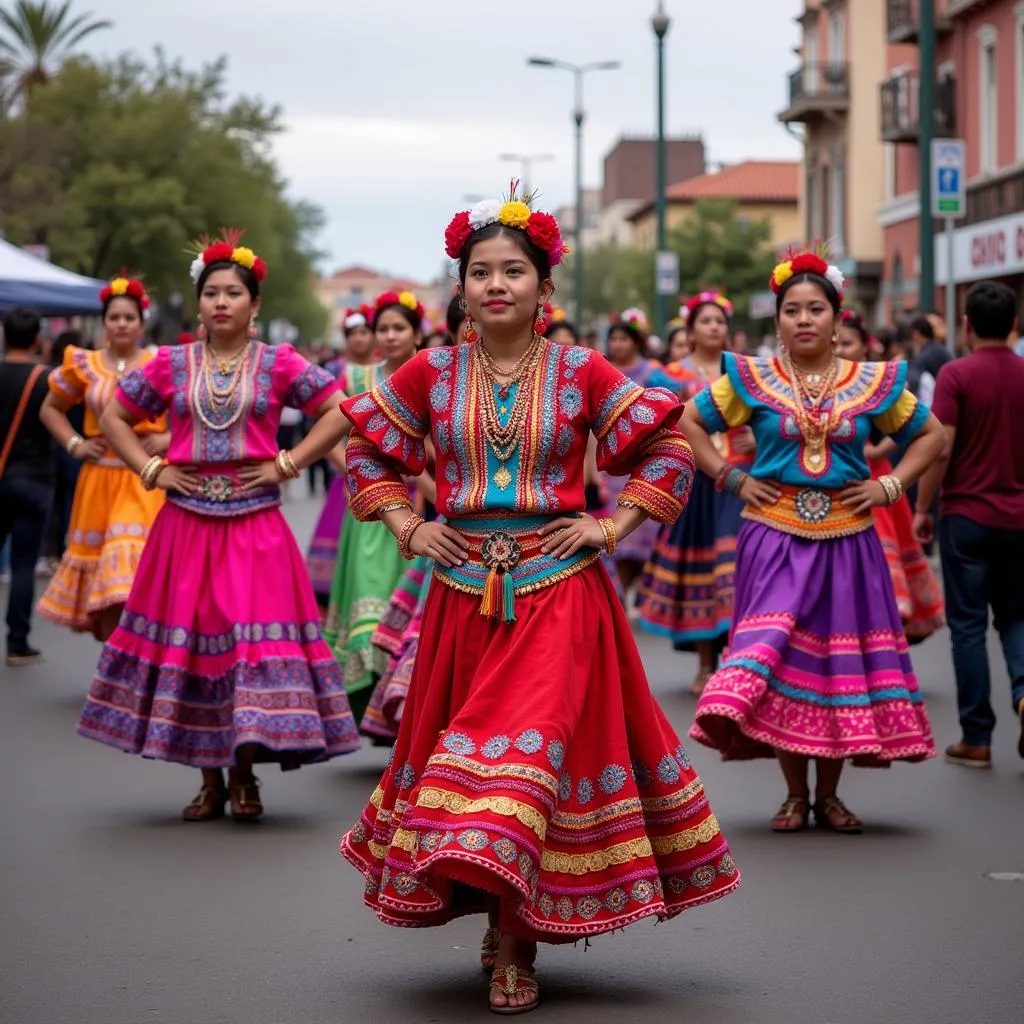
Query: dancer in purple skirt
218, 661
818, 666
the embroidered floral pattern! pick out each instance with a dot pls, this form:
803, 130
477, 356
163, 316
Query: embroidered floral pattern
556, 754
584, 791
612, 779
529, 742
496, 747
668, 770
459, 743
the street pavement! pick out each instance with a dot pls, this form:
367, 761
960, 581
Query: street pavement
114, 911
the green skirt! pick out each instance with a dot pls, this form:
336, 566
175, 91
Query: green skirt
366, 573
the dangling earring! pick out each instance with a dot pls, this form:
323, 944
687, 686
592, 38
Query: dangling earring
540, 321
253, 329
201, 331
469, 331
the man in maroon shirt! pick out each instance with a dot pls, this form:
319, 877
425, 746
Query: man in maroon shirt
980, 401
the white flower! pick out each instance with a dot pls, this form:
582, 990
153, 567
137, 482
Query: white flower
196, 270
834, 276
355, 320
485, 212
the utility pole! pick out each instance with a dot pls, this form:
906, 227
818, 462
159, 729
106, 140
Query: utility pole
926, 130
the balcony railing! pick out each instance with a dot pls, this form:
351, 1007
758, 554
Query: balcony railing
817, 90
901, 114
997, 198
903, 19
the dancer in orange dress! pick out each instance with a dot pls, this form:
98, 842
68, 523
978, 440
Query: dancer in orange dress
112, 512
918, 594
534, 777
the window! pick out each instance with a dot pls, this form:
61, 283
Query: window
988, 93
1020, 80
837, 38
813, 205
826, 205
811, 61
890, 171
837, 240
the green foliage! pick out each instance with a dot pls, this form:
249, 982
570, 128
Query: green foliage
716, 250
123, 163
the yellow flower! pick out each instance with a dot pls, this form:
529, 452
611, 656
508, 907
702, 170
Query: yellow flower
408, 300
514, 214
119, 286
244, 257
782, 273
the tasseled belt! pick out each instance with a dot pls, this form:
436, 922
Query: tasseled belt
505, 559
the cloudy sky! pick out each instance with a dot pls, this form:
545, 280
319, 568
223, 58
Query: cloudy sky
398, 109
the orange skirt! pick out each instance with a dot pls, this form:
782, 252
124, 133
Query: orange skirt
110, 521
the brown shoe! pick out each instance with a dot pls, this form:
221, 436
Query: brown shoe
970, 757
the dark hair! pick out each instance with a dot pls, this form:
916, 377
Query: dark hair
991, 309
110, 299
856, 322
60, 344
806, 277
563, 325
671, 336
409, 315
691, 318
455, 316
21, 328
923, 326
633, 334
534, 253
245, 275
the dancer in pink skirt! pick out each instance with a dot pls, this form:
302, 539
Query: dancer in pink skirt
218, 660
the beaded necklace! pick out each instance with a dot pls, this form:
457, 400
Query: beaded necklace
810, 393
207, 393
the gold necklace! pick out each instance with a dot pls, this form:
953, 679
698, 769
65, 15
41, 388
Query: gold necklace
220, 398
515, 371
815, 426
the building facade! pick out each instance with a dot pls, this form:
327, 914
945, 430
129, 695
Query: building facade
980, 98
833, 95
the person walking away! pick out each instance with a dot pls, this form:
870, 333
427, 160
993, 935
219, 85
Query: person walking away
26, 474
978, 399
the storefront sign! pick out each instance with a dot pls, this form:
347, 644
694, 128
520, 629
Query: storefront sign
994, 248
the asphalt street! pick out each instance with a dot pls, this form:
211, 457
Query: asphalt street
114, 911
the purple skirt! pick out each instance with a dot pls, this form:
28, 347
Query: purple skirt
323, 549
637, 547
818, 663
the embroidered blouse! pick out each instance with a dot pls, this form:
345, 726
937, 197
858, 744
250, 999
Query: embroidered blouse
273, 377
756, 391
85, 378
573, 391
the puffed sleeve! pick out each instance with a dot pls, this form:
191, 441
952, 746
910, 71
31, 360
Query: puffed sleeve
904, 419
299, 383
68, 381
721, 407
145, 392
386, 443
637, 436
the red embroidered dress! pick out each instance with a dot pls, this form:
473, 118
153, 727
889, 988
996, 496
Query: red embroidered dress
532, 760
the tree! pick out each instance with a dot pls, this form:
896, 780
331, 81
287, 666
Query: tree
124, 163
34, 37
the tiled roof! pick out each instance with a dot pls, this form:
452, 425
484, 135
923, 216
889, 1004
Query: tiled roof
753, 181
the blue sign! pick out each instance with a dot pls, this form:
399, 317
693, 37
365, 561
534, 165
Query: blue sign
949, 157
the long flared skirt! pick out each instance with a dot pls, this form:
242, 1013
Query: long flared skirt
533, 763
323, 549
219, 646
365, 576
111, 517
689, 585
818, 663
918, 594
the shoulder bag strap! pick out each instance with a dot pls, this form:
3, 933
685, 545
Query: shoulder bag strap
19, 414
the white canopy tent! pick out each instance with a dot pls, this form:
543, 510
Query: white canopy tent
50, 290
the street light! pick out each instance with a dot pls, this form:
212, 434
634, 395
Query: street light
578, 71
660, 23
526, 162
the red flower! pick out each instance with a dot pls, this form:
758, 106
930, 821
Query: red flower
544, 232
457, 234
386, 299
219, 252
809, 263
259, 269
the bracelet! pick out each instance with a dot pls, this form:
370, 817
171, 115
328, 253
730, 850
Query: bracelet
394, 507
286, 465
720, 478
412, 524
733, 481
626, 503
73, 442
893, 487
150, 471
611, 537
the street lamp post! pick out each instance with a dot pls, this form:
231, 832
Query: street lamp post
660, 23
926, 129
578, 116
526, 161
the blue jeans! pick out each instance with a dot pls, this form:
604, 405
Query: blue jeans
982, 567
24, 509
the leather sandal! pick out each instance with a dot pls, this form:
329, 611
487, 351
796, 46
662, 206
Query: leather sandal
792, 815
512, 981
827, 811
489, 949
245, 800
206, 805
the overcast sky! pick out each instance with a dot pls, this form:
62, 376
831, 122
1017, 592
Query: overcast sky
397, 109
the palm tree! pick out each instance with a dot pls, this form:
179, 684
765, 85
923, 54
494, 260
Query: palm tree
34, 37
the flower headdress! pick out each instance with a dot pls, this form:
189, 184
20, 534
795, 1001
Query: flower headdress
633, 318
705, 298
811, 261
225, 250
361, 317
406, 299
125, 284
514, 212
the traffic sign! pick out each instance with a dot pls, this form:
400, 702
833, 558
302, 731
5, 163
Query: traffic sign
949, 169
666, 272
